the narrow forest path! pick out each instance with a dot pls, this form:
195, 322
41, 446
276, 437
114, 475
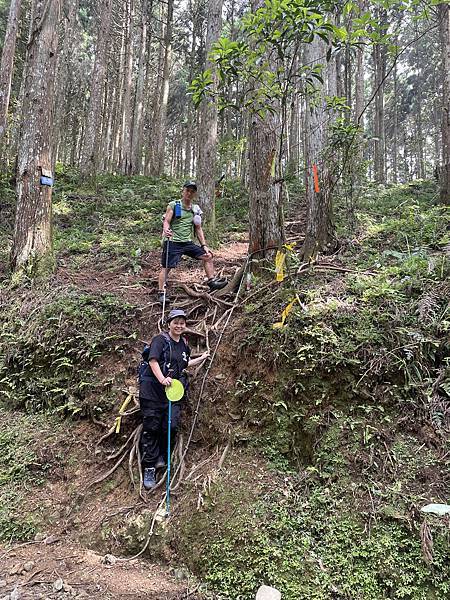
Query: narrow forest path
69, 565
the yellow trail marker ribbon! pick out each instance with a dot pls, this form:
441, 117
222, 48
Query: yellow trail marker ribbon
280, 260
284, 314
122, 409
290, 246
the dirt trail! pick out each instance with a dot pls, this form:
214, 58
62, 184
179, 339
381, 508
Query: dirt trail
65, 570
67, 567
100, 275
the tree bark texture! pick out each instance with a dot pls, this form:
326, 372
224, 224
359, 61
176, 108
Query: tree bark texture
160, 130
32, 241
7, 62
137, 137
207, 143
91, 134
319, 235
266, 231
379, 57
444, 34
188, 127
125, 147
265, 210
359, 79
63, 96
420, 168
395, 129
294, 137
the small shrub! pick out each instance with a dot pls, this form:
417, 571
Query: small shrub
52, 349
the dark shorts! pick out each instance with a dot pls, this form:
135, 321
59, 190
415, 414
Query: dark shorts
177, 250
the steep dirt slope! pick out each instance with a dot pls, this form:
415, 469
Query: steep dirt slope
79, 522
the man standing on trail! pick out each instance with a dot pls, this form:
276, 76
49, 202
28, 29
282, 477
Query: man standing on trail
165, 359
181, 221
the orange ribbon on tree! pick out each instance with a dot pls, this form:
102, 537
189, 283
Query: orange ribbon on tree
316, 179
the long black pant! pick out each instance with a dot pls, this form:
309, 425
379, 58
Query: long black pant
153, 441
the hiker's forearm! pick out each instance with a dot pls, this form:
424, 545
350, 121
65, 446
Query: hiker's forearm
200, 235
195, 361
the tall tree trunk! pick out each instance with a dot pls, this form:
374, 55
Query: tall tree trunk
154, 85
348, 69
118, 103
6, 65
62, 102
395, 132
359, 79
379, 56
190, 112
137, 138
161, 121
265, 197
127, 79
32, 241
206, 166
294, 138
436, 131
444, 35
91, 136
319, 235
359, 88
419, 101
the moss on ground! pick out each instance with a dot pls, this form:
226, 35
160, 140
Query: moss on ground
26, 459
348, 404
54, 345
339, 420
310, 536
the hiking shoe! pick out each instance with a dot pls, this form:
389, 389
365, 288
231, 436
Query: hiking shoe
215, 283
160, 463
161, 298
149, 478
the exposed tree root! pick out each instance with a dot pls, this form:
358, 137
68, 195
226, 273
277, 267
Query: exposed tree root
205, 295
234, 284
210, 322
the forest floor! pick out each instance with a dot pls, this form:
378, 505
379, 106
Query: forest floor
317, 441
61, 562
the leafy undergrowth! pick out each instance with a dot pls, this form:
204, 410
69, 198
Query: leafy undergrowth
339, 419
307, 538
348, 403
119, 216
7, 203
57, 346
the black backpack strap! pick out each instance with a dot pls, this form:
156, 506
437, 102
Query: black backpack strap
145, 352
167, 354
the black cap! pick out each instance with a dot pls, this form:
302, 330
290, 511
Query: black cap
176, 312
190, 184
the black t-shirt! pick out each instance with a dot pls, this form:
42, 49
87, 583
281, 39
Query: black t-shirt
177, 356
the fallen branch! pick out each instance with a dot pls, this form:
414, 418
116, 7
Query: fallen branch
194, 332
201, 464
110, 431
123, 447
259, 290
224, 315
